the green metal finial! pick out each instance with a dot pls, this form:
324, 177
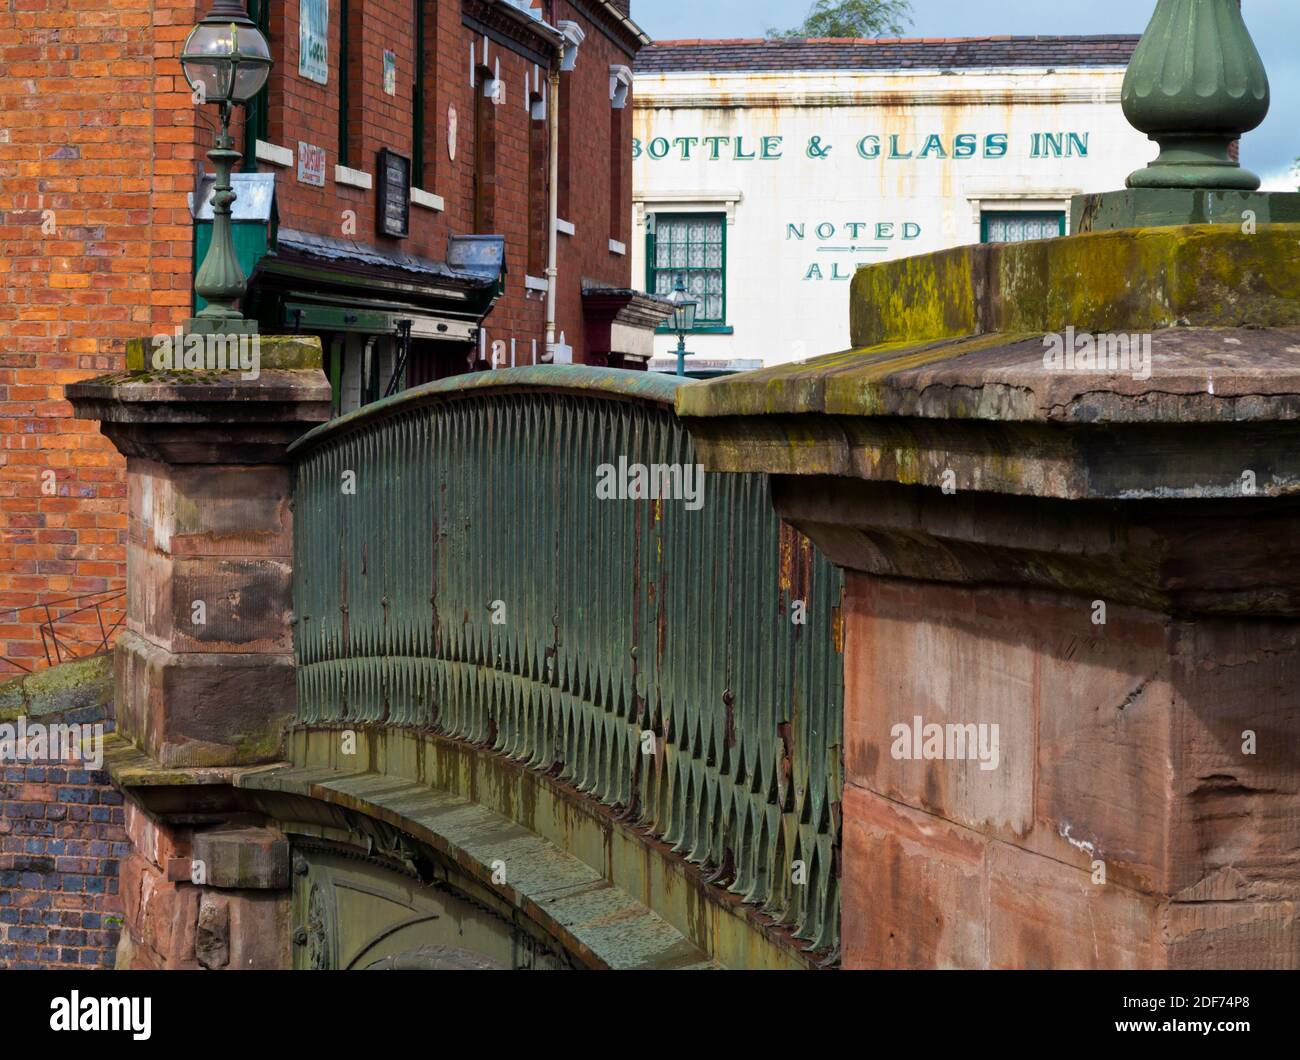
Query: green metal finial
1194, 85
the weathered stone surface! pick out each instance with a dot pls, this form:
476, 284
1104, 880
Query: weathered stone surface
929, 894
161, 915
198, 709
902, 669
221, 510
1043, 914
1237, 806
245, 605
914, 888
1120, 742
274, 351
73, 686
951, 388
259, 930
1208, 375
212, 942
249, 858
159, 844
196, 691
1232, 935
206, 417
1131, 279
169, 924
985, 414
1185, 556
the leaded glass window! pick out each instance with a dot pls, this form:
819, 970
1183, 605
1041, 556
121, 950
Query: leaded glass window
1020, 227
693, 246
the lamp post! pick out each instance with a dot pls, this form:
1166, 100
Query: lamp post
226, 61
683, 319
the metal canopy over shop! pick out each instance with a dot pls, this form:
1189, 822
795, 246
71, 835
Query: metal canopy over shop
386, 319
315, 283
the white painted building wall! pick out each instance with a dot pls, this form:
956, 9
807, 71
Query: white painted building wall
800, 222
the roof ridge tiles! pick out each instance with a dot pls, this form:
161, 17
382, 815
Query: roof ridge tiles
703, 42
886, 53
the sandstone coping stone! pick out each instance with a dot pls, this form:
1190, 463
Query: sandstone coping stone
949, 449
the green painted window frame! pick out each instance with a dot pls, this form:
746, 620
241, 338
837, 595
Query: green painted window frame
703, 326
344, 62
257, 112
1000, 215
417, 101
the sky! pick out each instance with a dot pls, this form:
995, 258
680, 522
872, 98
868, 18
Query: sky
1275, 25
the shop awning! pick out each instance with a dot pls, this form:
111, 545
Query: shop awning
317, 283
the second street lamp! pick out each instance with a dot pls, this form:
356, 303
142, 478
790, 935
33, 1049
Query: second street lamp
683, 319
226, 61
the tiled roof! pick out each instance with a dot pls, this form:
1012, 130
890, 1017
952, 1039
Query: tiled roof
929, 53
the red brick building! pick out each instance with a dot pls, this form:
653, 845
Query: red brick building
507, 118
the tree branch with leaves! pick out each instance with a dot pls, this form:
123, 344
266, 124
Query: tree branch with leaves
850, 18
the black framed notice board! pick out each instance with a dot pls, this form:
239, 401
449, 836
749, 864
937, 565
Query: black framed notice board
393, 215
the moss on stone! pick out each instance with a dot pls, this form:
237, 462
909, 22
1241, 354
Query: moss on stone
74, 685
285, 352
1129, 279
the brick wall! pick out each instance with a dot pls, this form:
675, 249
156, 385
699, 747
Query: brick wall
587, 254
99, 141
303, 110
96, 150
62, 833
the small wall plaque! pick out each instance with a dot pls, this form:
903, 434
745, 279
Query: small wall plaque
313, 40
390, 73
311, 164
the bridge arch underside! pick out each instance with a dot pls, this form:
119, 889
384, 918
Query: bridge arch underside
416, 850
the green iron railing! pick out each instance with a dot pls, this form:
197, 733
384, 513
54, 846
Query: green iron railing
475, 583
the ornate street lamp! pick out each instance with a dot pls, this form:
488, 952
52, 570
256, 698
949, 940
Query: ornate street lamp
683, 319
226, 60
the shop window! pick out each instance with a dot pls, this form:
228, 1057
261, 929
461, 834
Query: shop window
693, 246
1019, 226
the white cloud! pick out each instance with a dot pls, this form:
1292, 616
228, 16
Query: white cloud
1282, 180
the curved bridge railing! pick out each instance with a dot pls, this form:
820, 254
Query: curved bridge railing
478, 556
